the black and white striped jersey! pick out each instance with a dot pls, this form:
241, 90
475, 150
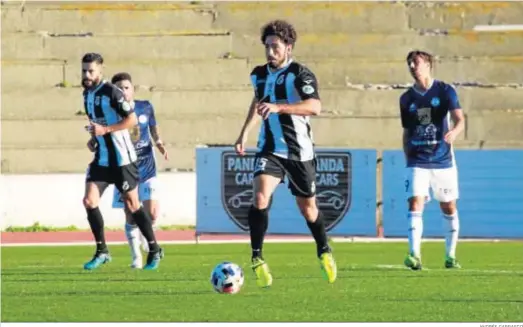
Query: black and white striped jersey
105, 105
283, 135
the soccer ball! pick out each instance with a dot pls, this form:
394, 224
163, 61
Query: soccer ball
227, 277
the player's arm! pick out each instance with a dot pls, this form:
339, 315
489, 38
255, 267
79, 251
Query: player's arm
456, 114
307, 86
310, 105
458, 117
251, 118
155, 133
153, 126
249, 123
124, 109
405, 141
92, 144
125, 123
404, 124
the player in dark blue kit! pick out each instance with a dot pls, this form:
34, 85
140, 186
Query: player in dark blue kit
426, 111
142, 136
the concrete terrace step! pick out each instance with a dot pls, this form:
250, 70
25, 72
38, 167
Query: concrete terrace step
32, 74
63, 103
224, 73
164, 45
463, 15
62, 159
307, 16
368, 132
214, 44
393, 46
71, 133
312, 16
104, 17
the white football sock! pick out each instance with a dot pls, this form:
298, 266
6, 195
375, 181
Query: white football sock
451, 234
133, 237
415, 232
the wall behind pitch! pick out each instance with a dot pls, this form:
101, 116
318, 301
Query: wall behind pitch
56, 200
345, 187
491, 195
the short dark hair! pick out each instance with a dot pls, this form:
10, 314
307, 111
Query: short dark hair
121, 77
93, 57
423, 54
280, 28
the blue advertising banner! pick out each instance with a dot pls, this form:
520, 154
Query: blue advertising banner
490, 188
345, 189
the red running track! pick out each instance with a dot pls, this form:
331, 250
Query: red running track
119, 236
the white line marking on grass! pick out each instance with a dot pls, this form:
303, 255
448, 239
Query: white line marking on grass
461, 270
277, 240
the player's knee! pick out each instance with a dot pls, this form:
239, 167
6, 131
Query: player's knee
132, 204
416, 204
448, 208
153, 211
129, 217
261, 200
90, 203
308, 208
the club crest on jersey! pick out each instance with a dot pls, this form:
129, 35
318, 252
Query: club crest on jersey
333, 186
424, 116
126, 106
308, 89
97, 101
412, 107
435, 102
280, 80
142, 119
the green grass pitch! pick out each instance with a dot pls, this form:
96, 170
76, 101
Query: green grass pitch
48, 284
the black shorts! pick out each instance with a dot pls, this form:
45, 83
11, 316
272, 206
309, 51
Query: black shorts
124, 178
301, 174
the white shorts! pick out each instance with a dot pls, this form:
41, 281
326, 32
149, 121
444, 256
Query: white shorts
443, 182
147, 190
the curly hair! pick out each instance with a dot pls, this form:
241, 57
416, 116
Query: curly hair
422, 54
280, 28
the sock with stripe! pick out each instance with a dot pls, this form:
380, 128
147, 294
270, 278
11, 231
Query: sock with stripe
415, 232
451, 234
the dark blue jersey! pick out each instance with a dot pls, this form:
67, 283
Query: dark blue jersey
426, 117
141, 139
